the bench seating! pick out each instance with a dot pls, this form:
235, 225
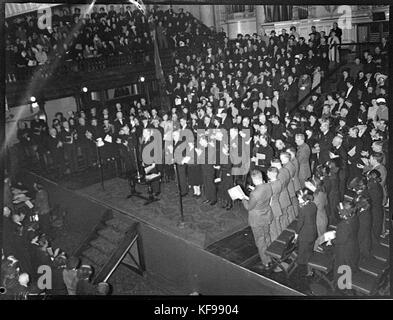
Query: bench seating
385, 241
381, 253
364, 283
292, 226
285, 236
373, 266
321, 264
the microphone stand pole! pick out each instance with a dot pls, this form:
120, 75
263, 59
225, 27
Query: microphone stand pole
100, 166
181, 223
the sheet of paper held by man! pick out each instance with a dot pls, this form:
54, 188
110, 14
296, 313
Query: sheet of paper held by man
237, 193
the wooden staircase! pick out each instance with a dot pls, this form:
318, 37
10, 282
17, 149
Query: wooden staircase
111, 242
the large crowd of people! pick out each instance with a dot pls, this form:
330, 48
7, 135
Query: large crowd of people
78, 37
309, 153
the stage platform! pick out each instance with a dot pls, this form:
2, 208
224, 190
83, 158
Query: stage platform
225, 234
204, 224
215, 245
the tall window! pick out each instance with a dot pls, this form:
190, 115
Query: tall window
237, 8
231, 9
278, 13
303, 12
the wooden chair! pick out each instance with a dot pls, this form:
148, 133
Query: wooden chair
283, 255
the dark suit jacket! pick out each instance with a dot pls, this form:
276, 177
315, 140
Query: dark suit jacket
354, 142
307, 222
352, 94
325, 144
51, 144
228, 122
117, 125
346, 243
343, 156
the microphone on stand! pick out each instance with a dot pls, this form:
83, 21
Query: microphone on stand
181, 223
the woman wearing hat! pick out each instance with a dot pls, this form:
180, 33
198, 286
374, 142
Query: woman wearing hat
332, 187
375, 192
306, 230
346, 245
362, 205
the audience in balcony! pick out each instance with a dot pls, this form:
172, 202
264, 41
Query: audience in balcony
76, 37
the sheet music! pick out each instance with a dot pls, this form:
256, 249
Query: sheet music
219, 136
100, 143
186, 160
327, 236
237, 193
198, 152
108, 138
152, 176
352, 152
29, 204
332, 155
365, 161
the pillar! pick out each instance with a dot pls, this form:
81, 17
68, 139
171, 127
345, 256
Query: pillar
78, 101
295, 13
260, 17
207, 15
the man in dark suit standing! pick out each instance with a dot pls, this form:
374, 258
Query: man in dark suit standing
325, 142
351, 93
55, 148
260, 214
226, 120
180, 159
353, 111
119, 123
290, 94
83, 142
353, 147
208, 166
128, 147
68, 141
